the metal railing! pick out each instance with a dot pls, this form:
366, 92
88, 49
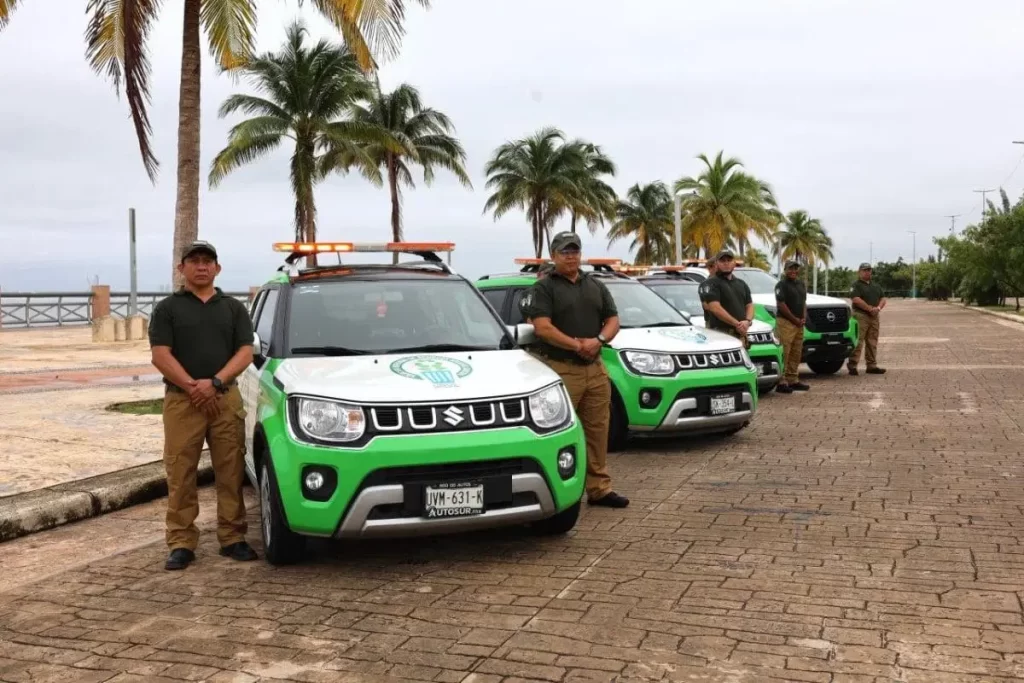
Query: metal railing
66, 309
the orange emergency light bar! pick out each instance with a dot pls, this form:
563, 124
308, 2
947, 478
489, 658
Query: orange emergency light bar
601, 261
348, 247
531, 261
633, 269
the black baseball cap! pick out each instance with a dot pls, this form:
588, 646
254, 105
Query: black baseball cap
199, 247
792, 263
725, 255
865, 266
565, 240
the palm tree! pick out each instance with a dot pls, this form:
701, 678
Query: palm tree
304, 92
539, 175
597, 200
804, 239
755, 258
416, 135
117, 41
723, 204
646, 217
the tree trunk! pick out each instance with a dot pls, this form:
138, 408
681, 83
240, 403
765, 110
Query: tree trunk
396, 208
186, 205
572, 221
302, 187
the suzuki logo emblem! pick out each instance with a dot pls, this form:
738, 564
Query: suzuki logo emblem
714, 359
453, 416
830, 316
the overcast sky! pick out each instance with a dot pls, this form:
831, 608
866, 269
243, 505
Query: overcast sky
876, 117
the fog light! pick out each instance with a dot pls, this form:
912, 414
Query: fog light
318, 482
314, 481
650, 398
567, 462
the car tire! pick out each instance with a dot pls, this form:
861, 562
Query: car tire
618, 430
281, 545
826, 367
560, 523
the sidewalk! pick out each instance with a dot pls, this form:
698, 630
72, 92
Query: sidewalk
63, 455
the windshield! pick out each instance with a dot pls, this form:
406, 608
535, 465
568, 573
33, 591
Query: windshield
759, 281
640, 307
345, 317
683, 295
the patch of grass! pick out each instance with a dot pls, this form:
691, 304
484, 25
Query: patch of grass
149, 407
1005, 309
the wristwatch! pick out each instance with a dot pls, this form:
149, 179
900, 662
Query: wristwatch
218, 385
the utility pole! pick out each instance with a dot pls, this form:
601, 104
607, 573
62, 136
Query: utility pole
983, 193
913, 289
677, 208
952, 222
871, 253
133, 292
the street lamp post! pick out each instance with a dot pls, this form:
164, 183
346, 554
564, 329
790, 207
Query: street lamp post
913, 287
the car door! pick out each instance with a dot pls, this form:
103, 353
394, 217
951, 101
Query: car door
264, 310
497, 299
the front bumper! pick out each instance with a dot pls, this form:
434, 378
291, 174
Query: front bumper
380, 487
691, 413
767, 359
826, 347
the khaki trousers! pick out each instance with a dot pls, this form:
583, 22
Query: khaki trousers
591, 395
733, 333
185, 430
792, 337
867, 340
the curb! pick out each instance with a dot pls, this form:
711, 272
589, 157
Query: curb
33, 511
1019, 319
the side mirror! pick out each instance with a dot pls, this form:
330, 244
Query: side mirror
525, 334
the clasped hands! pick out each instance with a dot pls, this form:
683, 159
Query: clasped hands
203, 395
588, 348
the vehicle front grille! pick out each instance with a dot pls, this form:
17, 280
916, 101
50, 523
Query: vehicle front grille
448, 417
705, 361
760, 338
828, 319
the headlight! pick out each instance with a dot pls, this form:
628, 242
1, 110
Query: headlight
646, 363
549, 407
746, 359
330, 420
773, 311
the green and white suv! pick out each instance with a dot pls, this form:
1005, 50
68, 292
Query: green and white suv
830, 334
389, 400
765, 348
668, 377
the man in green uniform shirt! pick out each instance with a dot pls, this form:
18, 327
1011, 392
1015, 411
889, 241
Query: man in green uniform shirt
726, 298
868, 303
201, 340
791, 301
574, 316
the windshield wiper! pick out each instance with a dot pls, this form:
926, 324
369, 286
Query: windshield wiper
332, 351
427, 348
681, 323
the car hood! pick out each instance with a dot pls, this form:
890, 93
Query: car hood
683, 339
410, 378
755, 327
813, 300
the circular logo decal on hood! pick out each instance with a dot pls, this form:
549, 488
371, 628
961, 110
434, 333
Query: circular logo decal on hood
441, 371
686, 334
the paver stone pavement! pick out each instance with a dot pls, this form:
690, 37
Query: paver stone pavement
867, 531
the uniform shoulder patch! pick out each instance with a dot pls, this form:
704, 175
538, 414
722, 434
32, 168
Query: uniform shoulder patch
705, 288
778, 289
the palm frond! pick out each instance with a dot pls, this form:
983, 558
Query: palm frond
7, 8
242, 151
371, 28
230, 27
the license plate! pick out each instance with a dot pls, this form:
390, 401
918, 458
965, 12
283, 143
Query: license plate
720, 405
461, 500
